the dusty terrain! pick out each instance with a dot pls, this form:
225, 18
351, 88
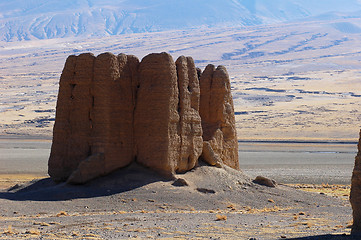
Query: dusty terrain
289, 81
136, 203
140, 204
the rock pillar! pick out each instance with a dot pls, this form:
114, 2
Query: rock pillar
94, 117
218, 120
72, 129
156, 114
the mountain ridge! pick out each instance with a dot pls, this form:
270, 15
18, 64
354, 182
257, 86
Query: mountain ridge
41, 19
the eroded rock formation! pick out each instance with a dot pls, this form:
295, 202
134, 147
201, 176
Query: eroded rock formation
218, 121
93, 132
355, 195
113, 110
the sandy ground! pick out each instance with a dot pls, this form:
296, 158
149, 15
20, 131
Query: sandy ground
136, 203
217, 204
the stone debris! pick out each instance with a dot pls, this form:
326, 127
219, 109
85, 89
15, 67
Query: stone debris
180, 182
265, 181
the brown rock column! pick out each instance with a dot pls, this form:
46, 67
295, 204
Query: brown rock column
93, 131
156, 114
72, 129
217, 113
355, 195
112, 141
113, 111
190, 122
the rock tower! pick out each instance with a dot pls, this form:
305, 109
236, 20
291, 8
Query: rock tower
217, 114
113, 110
355, 195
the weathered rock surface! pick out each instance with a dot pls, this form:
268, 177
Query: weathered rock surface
355, 195
94, 116
217, 114
156, 114
167, 123
209, 155
190, 125
113, 110
72, 129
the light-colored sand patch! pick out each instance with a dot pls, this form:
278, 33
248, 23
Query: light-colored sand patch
337, 190
9, 180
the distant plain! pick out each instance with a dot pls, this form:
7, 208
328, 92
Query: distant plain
294, 81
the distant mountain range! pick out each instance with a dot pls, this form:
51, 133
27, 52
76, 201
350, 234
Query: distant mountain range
46, 19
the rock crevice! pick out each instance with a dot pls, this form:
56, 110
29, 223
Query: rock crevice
113, 110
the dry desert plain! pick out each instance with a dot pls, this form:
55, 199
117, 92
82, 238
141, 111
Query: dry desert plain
297, 100
293, 81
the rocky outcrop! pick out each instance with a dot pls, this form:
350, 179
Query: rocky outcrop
156, 115
94, 117
72, 129
355, 195
217, 114
113, 110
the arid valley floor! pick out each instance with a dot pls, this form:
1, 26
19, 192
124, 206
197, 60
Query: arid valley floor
297, 102
136, 203
291, 81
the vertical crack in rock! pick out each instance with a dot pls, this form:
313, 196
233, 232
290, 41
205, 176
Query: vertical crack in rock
205, 83
130, 71
180, 79
190, 121
355, 195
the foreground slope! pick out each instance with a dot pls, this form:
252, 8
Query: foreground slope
135, 202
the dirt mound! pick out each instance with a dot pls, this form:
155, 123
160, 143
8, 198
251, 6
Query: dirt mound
207, 188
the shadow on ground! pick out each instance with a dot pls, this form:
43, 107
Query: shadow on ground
126, 179
328, 237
